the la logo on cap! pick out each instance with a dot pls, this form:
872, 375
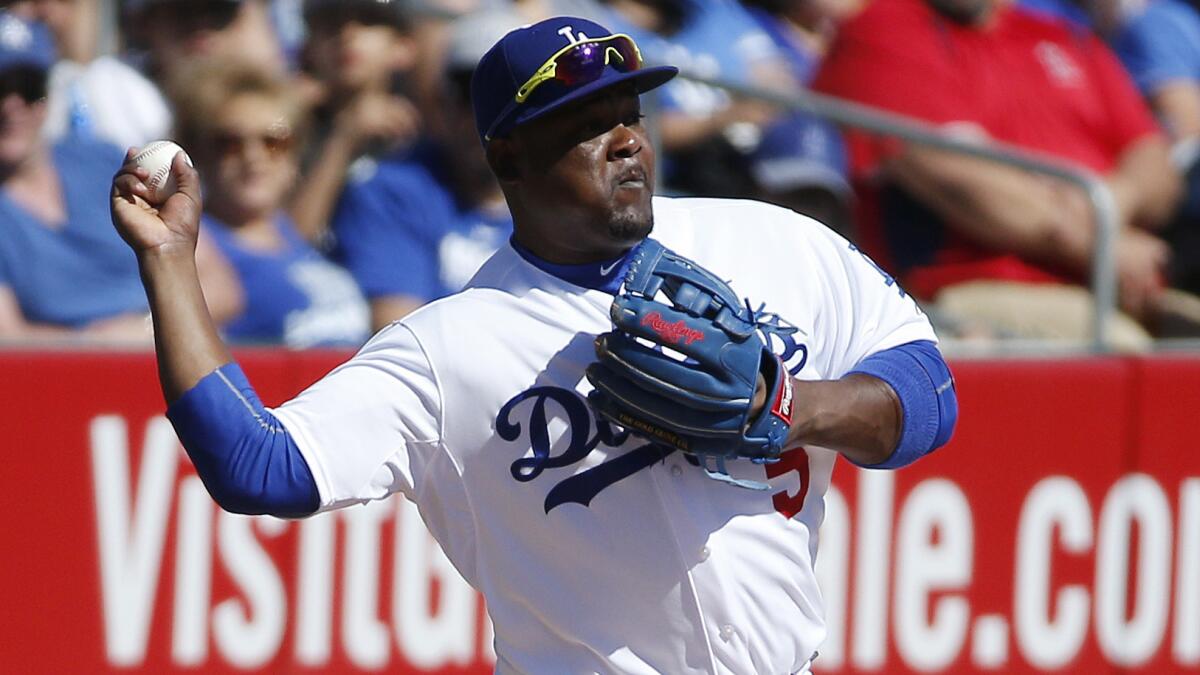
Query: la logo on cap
14, 33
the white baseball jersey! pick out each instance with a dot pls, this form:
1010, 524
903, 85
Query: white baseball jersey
595, 553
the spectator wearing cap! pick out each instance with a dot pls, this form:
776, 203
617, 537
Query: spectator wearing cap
63, 271
242, 125
416, 226
358, 53
801, 164
89, 96
801, 160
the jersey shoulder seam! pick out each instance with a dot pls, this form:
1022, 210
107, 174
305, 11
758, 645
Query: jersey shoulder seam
437, 385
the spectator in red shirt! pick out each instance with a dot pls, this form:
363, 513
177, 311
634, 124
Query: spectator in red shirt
985, 241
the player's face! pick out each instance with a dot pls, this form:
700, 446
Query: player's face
586, 174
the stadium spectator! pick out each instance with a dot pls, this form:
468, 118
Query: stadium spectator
984, 241
415, 226
177, 33
63, 273
802, 29
358, 52
801, 164
243, 124
90, 96
431, 21
1159, 43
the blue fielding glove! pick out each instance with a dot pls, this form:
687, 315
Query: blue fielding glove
681, 367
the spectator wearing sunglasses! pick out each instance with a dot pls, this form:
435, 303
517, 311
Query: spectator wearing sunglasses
242, 125
358, 53
90, 96
62, 273
419, 225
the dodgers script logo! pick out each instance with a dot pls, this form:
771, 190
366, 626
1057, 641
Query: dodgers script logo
529, 414
582, 487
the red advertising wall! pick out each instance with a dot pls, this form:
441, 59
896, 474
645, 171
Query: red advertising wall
1060, 531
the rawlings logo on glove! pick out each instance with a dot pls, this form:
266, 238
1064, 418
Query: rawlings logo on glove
702, 403
671, 332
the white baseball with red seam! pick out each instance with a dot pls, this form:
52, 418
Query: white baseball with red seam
156, 158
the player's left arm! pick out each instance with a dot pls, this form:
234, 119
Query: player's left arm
896, 407
890, 399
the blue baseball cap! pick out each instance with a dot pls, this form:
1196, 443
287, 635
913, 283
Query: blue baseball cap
505, 72
25, 43
801, 151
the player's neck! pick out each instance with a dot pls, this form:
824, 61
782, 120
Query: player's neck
602, 276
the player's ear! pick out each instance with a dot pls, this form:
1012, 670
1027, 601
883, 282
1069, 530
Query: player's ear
502, 157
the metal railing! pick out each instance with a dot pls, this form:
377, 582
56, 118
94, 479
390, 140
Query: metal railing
847, 114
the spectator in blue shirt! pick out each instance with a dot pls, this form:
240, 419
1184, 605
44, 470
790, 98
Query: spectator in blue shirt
242, 125
356, 58
708, 135
414, 226
64, 272
1159, 43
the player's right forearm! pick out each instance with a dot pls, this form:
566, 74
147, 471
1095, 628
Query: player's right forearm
247, 460
185, 338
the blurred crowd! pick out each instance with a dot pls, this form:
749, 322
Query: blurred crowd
345, 184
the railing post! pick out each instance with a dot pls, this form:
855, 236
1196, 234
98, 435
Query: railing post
1104, 263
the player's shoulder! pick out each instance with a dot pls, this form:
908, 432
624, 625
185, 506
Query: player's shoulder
706, 207
728, 219
498, 282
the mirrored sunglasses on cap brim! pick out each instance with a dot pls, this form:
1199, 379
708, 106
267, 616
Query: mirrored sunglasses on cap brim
584, 62
574, 65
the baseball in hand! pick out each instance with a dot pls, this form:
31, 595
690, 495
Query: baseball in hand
156, 159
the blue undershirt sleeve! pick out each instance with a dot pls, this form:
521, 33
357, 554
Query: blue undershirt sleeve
247, 460
922, 380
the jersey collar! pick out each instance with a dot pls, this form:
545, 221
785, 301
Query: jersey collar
604, 276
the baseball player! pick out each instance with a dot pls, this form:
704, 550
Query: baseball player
561, 421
